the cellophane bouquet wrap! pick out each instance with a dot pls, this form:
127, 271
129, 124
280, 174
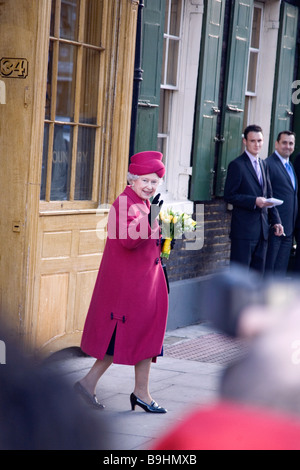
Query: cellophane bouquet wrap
173, 226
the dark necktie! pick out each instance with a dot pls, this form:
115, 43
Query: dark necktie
258, 171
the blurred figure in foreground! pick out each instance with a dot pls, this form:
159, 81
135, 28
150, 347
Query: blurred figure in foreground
259, 403
269, 375
242, 304
38, 410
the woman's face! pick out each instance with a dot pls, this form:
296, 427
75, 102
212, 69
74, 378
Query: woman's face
146, 185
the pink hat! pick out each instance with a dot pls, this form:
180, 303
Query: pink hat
144, 163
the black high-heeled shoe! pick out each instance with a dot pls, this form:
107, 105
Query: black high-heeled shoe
152, 408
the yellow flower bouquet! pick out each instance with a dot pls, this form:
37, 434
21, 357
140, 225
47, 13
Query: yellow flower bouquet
173, 226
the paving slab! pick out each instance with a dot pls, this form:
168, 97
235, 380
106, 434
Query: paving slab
187, 376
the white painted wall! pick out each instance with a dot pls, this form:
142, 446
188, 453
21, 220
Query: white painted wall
183, 107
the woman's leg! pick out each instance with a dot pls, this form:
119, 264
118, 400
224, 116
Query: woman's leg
89, 382
142, 373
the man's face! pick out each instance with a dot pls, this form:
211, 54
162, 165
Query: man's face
285, 146
254, 143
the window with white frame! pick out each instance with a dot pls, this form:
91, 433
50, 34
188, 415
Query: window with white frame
254, 50
169, 79
253, 61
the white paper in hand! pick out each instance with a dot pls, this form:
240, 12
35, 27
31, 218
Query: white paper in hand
274, 201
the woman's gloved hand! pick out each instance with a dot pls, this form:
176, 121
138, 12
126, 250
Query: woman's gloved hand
154, 209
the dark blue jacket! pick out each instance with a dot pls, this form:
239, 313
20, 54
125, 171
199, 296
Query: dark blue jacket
241, 190
283, 189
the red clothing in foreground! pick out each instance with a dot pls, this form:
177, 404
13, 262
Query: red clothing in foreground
228, 426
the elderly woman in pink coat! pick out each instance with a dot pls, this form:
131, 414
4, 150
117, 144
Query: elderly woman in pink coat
127, 317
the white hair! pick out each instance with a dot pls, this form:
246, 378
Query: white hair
131, 178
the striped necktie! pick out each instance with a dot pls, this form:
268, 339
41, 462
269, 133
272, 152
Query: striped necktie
258, 171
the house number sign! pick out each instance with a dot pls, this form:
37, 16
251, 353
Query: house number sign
13, 68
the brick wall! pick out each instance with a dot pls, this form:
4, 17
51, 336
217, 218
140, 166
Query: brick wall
187, 264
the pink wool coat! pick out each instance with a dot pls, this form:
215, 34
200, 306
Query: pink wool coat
130, 293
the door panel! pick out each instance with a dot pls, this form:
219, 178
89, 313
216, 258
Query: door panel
234, 98
207, 101
52, 306
282, 98
69, 250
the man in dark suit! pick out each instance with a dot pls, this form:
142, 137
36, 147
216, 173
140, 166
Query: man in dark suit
247, 187
296, 267
284, 185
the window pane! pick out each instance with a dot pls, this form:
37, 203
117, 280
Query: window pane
253, 59
52, 18
93, 17
69, 19
66, 82
163, 72
256, 28
162, 143
247, 107
89, 89
164, 107
61, 162
49, 83
44, 162
85, 163
175, 17
166, 27
172, 62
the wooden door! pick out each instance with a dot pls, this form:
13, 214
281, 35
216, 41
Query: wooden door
286, 50
234, 98
207, 107
219, 119
83, 163
152, 47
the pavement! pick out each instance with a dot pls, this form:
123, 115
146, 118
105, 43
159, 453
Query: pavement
187, 376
